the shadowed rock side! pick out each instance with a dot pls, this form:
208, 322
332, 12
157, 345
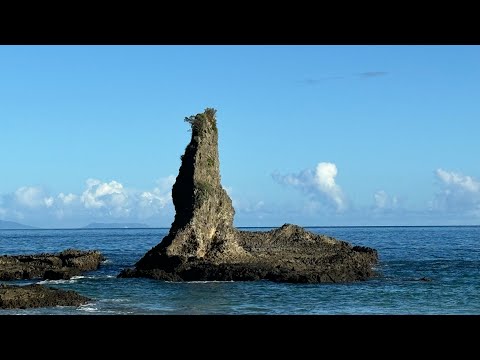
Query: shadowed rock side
33, 296
204, 245
62, 265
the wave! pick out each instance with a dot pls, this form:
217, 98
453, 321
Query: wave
113, 300
74, 279
94, 277
87, 308
70, 281
91, 308
200, 282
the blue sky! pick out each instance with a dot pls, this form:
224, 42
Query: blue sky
314, 135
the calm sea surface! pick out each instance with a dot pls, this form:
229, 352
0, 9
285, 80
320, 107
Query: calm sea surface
450, 256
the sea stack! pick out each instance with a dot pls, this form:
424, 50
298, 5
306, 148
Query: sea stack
203, 244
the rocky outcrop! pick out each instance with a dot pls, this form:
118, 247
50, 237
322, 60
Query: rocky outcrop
61, 265
34, 296
203, 244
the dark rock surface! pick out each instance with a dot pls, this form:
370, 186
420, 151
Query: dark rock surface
61, 265
203, 244
33, 296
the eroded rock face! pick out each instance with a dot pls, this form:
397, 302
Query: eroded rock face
61, 265
33, 296
204, 245
203, 224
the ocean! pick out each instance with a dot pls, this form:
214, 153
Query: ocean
449, 256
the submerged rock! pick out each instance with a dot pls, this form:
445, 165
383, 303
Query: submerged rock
203, 244
33, 296
61, 265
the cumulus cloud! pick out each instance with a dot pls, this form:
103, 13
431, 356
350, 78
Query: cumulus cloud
111, 196
100, 200
30, 196
151, 202
67, 199
383, 201
48, 201
325, 180
459, 181
458, 193
317, 182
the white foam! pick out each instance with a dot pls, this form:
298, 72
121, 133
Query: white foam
117, 300
114, 300
99, 276
87, 308
200, 282
71, 281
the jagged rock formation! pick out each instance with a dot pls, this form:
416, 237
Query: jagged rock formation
33, 296
203, 244
62, 265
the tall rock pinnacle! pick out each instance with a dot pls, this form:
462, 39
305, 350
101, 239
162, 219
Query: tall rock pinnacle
203, 244
203, 210
203, 224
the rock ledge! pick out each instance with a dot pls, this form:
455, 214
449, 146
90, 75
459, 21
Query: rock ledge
61, 265
34, 296
203, 244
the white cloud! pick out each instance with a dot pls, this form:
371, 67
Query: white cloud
48, 201
99, 201
165, 184
152, 202
104, 195
458, 193
319, 181
325, 174
458, 181
30, 196
110, 198
383, 201
67, 199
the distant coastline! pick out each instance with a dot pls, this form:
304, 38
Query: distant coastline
11, 225
116, 226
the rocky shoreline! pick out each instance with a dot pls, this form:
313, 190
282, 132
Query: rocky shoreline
280, 255
51, 266
35, 295
203, 244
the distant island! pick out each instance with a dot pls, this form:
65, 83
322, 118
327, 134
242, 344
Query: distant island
115, 226
11, 225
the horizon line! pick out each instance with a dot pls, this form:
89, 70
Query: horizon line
251, 227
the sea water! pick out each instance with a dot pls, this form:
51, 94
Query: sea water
448, 256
